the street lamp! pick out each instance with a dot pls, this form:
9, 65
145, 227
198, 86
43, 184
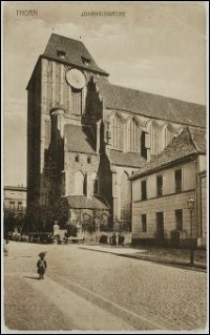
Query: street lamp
191, 204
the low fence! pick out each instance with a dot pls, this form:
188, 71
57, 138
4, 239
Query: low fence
97, 237
58, 236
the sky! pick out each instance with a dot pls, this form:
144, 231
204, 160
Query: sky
155, 47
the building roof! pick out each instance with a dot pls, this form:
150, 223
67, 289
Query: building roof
78, 139
152, 105
75, 53
131, 159
189, 142
81, 201
199, 139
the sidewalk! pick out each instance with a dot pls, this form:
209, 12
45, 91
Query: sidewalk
175, 257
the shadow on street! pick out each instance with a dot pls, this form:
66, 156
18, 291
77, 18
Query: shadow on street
32, 277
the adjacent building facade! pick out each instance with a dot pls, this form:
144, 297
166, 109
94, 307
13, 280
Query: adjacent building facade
162, 188
14, 206
86, 137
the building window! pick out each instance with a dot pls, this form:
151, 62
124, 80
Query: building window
89, 159
169, 134
12, 205
178, 181
144, 223
20, 206
61, 53
95, 187
77, 158
80, 183
86, 61
159, 186
143, 190
76, 101
94, 179
143, 144
133, 140
160, 234
157, 138
125, 198
116, 131
179, 219
85, 185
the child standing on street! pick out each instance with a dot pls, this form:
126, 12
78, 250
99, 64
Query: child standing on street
41, 265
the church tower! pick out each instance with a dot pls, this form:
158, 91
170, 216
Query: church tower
57, 98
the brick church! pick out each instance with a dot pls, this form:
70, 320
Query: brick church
86, 137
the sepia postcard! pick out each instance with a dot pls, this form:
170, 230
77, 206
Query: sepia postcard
105, 173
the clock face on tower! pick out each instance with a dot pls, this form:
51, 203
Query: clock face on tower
75, 78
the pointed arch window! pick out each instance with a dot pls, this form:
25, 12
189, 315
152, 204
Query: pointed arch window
79, 183
125, 197
133, 136
75, 101
116, 131
94, 182
157, 138
169, 134
144, 137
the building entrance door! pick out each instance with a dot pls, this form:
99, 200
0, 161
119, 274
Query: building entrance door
160, 228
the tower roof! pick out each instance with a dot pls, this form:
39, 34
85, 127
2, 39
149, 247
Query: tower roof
71, 51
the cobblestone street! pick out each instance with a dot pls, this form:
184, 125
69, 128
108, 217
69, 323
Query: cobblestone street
89, 290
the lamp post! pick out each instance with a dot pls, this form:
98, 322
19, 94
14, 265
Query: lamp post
191, 204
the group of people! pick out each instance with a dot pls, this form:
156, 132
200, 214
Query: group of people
113, 239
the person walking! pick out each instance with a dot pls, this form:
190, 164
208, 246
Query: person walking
41, 265
121, 239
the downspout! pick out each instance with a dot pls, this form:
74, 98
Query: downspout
131, 187
197, 216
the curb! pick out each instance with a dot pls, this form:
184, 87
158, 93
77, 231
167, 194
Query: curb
186, 266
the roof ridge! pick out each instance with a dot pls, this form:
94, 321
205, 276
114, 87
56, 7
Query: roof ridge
68, 38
